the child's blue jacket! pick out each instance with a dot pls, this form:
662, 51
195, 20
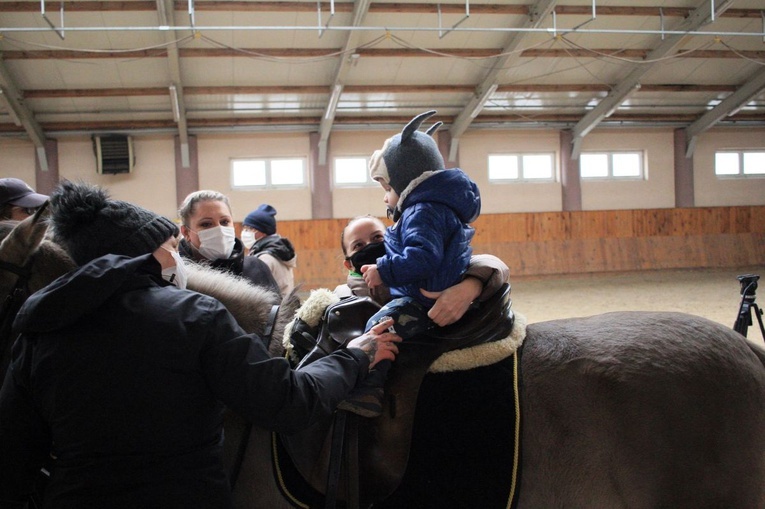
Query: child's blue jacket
429, 246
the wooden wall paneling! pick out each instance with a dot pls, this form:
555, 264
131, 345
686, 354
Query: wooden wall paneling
619, 223
571, 242
757, 220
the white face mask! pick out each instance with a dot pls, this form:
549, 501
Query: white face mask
248, 237
177, 275
217, 242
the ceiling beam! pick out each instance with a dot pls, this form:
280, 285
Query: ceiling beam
365, 122
166, 17
488, 85
700, 16
573, 53
380, 7
360, 89
13, 100
360, 10
752, 87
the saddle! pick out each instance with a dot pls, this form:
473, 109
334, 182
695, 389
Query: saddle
383, 443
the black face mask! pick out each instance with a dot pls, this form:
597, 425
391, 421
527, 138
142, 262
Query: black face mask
367, 255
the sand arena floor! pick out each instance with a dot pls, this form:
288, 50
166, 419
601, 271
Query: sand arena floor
712, 293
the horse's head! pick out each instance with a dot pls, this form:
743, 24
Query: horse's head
28, 262
20, 239
25, 252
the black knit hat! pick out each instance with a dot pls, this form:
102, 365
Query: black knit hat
407, 155
262, 219
89, 224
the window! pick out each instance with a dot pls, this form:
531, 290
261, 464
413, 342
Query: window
739, 163
352, 172
611, 165
260, 173
521, 167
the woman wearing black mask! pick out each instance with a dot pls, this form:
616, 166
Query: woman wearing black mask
362, 243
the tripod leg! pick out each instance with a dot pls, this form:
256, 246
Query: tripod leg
744, 319
758, 314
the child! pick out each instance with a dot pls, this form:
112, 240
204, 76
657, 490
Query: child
428, 247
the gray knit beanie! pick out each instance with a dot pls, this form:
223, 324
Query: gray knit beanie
89, 224
407, 155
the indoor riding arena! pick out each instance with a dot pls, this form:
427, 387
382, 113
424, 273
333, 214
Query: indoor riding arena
610, 153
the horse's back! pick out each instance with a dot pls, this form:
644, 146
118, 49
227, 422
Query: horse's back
642, 410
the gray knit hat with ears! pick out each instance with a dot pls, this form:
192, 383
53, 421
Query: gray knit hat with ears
407, 155
89, 224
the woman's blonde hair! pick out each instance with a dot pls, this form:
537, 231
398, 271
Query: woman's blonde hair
189, 204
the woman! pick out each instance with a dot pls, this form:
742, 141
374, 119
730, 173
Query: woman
209, 237
362, 243
121, 375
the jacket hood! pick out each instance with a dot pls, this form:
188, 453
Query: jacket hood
81, 291
451, 187
278, 247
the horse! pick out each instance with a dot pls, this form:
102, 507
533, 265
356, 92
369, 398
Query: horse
619, 410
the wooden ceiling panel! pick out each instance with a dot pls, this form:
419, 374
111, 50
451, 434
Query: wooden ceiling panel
276, 63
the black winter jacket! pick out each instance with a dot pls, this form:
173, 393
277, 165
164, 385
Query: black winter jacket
123, 379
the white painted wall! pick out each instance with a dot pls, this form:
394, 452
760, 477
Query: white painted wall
711, 191
152, 184
216, 152
474, 151
654, 192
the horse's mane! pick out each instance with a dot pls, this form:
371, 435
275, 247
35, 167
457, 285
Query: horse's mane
48, 259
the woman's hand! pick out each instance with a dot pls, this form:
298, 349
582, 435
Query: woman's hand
378, 343
452, 303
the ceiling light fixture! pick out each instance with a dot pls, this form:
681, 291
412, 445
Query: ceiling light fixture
175, 102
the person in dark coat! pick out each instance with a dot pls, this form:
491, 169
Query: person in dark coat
122, 376
209, 238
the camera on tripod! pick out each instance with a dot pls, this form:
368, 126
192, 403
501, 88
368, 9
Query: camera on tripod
748, 285
748, 307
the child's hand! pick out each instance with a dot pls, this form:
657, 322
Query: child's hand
371, 276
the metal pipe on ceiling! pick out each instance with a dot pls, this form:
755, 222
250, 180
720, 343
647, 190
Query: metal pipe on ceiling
557, 30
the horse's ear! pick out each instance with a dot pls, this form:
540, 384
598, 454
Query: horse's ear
25, 237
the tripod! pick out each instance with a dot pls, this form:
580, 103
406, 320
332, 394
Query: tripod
744, 318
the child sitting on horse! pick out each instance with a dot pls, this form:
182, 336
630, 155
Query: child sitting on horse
428, 247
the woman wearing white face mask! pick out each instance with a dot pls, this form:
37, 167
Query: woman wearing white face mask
209, 237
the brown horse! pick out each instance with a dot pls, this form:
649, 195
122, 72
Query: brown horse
622, 410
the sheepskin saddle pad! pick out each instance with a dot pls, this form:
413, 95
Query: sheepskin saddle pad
312, 314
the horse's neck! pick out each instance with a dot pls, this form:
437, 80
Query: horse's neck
49, 263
